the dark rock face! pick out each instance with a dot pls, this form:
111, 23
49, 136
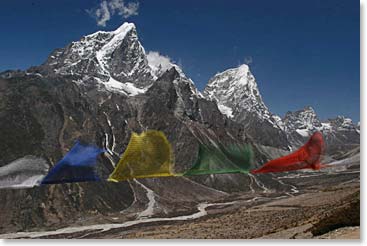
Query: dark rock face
59, 205
128, 61
43, 117
23, 107
265, 133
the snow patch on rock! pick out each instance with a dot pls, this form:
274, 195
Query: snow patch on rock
225, 110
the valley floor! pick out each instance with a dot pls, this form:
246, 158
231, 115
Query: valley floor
321, 214
319, 205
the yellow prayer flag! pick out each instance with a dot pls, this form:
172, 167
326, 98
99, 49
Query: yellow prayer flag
147, 155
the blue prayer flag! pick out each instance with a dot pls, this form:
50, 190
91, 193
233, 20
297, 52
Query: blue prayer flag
78, 165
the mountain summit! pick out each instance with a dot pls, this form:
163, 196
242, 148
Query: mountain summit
115, 60
237, 95
304, 121
340, 133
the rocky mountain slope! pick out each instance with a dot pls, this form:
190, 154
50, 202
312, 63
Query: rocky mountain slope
100, 89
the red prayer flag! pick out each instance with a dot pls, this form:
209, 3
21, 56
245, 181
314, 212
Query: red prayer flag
308, 156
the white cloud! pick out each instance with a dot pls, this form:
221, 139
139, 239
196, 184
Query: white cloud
102, 14
107, 9
158, 62
248, 60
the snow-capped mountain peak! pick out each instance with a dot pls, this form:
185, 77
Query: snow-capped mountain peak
104, 54
301, 124
237, 95
240, 75
236, 92
342, 123
115, 60
124, 28
304, 121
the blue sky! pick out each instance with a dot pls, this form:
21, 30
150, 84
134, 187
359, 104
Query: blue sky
302, 52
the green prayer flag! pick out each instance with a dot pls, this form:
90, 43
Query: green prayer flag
230, 159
